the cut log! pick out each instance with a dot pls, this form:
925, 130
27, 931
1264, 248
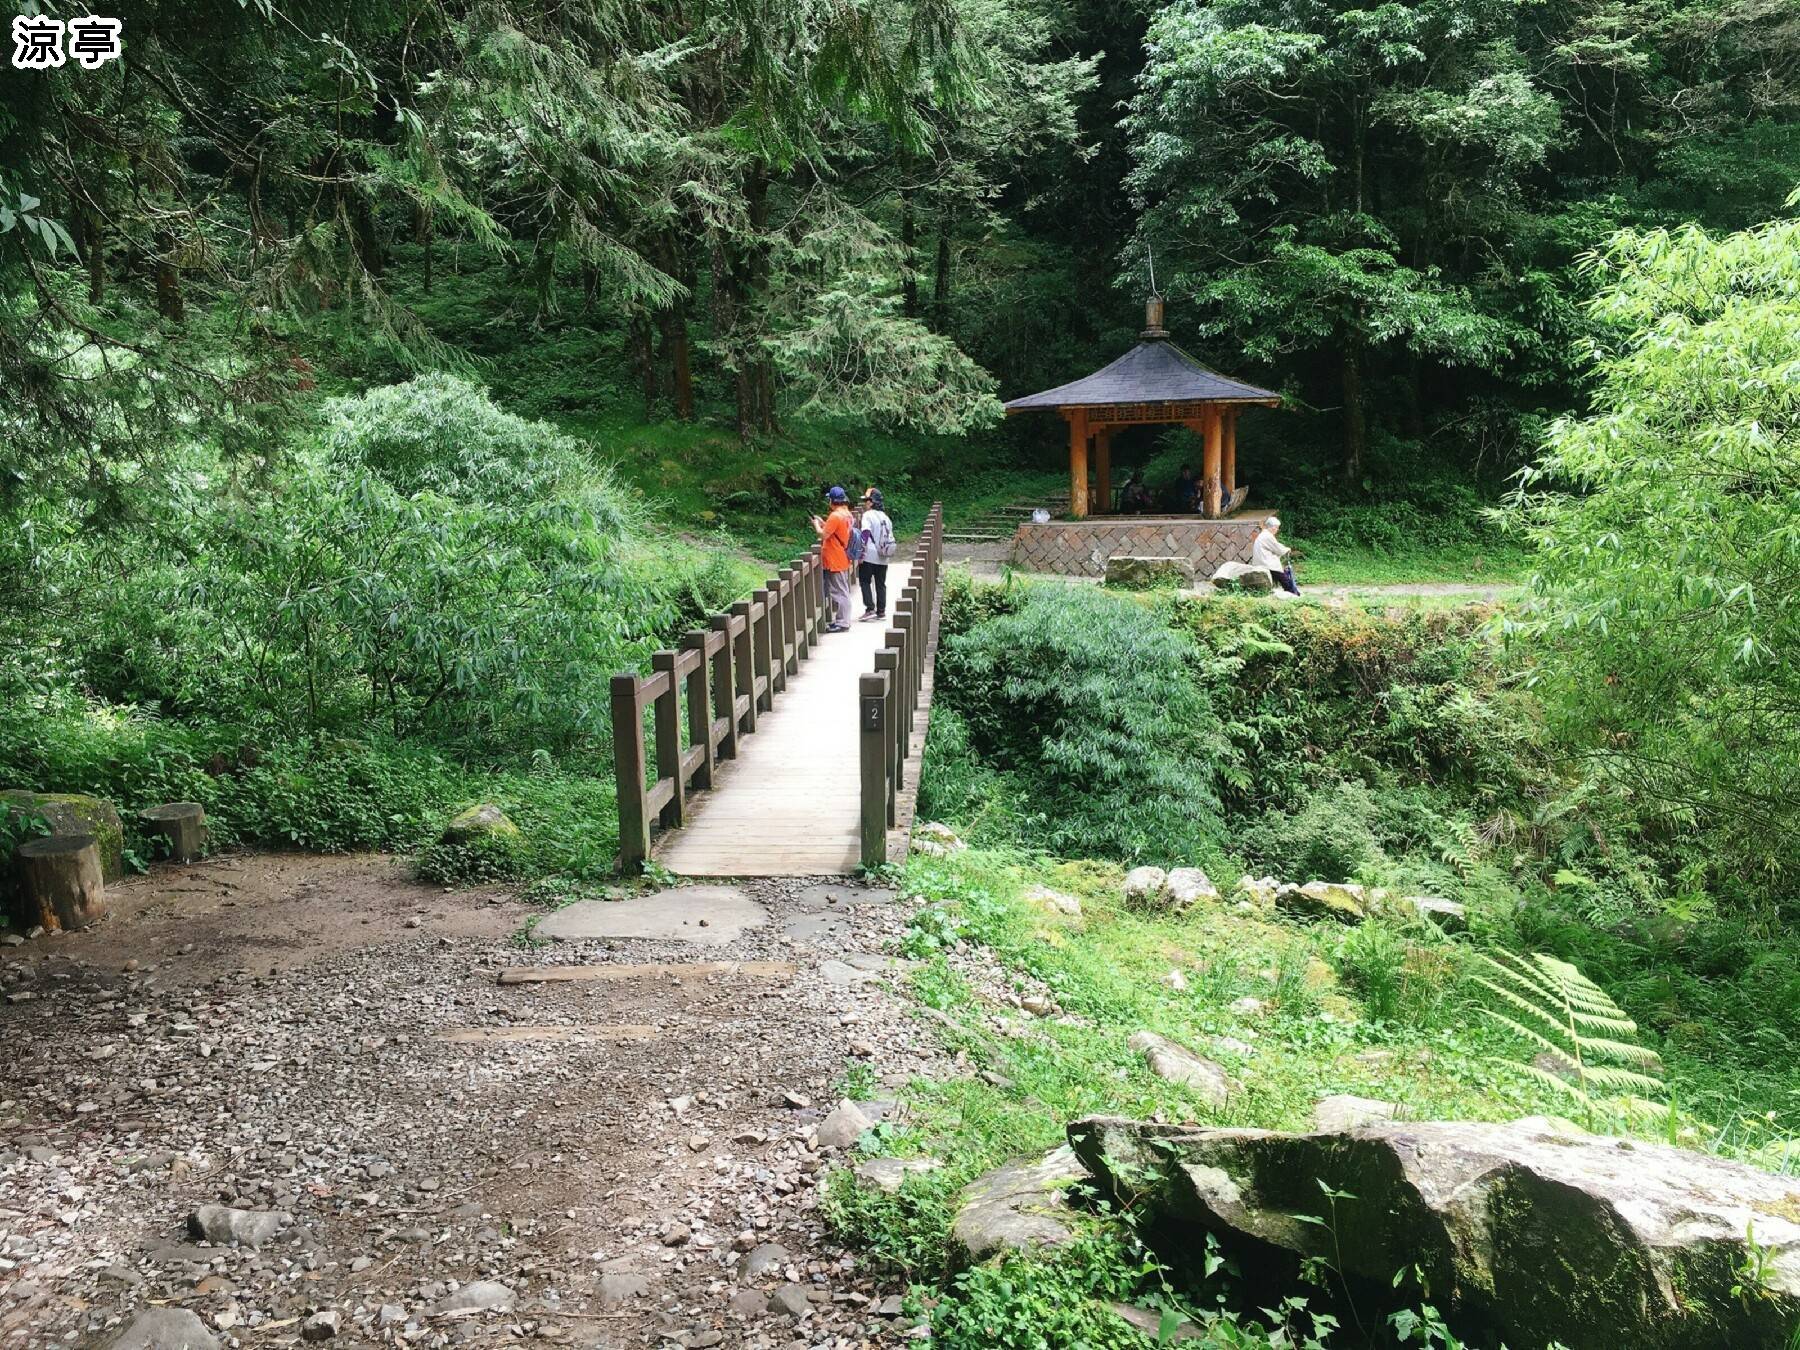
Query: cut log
60, 884
183, 824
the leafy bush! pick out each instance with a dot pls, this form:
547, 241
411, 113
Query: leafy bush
1097, 763
1329, 837
443, 435
1665, 616
331, 795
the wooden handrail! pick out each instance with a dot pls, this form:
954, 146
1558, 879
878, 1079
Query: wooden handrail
722, 676
888, 697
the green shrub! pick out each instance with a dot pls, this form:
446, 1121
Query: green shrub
1087, 706
1329, 836
331, 795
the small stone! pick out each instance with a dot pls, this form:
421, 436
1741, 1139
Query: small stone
321, 1326
1345, 1112
749, 1303
790, 1299
224, 1225
676, 1234
1190, 886
476, 1296
1037, 1005
160, 1329
621, 1286
889, 1174
843, 1127
758, 1261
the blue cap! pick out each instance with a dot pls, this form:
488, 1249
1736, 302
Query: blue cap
837, 494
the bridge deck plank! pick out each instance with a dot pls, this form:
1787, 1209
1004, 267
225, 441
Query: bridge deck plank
789, 804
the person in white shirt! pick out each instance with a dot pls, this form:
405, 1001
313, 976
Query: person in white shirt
1268, 551
879, 548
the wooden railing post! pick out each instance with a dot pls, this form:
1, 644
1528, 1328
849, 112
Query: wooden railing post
668, 737
724, 689
628, 765
760, 622
872, 690
699, 719
743, 662
903, 620
894, 640
887, 662
790, 623
777, 645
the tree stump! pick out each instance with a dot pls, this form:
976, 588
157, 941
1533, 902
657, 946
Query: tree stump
183, 824
60, 883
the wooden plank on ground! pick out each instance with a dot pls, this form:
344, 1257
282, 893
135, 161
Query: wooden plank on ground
680, 970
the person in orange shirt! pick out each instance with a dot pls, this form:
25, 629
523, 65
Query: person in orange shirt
834, 553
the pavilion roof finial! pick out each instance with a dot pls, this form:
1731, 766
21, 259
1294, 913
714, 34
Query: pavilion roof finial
1153, 305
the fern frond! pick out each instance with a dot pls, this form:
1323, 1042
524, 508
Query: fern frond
1525, 1005
1620, 1050
1536, 1038
1570, 1090
1621, 1080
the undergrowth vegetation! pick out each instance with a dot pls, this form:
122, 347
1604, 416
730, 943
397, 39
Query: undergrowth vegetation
416, 608
1404, 749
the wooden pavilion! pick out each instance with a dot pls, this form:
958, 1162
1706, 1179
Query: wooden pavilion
1154, 382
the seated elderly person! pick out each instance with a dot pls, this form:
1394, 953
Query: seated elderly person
1268, 551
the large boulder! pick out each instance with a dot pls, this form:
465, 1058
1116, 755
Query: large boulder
76, 813
1020, 1205
1146, 887
1446, 914
1237, 576
934, 839
1528, 1233
1340, 900
1189, 886
1140, 574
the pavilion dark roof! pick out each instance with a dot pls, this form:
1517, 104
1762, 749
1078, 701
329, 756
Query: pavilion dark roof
1152, 372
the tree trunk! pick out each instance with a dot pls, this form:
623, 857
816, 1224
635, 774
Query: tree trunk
94, 239
426, 236
643, 356
60, 884
1356, 418
940, 285
182, 824
909, 258
676, 261
756, 379
168, 280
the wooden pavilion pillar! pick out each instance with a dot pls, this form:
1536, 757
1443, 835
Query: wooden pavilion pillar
1209, 473
1228, 468
1103, 471
1078, 463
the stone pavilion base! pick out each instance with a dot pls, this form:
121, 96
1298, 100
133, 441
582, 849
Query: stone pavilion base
1080, 548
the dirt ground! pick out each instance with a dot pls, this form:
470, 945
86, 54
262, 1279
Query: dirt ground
595, 1161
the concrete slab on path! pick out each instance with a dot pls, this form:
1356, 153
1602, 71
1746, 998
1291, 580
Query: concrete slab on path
708, 916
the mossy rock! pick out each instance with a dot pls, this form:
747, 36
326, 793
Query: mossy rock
483, 821
76, 813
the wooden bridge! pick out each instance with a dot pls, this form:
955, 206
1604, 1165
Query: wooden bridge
765, 746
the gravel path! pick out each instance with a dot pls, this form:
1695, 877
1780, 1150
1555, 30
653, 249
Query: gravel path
597, 1158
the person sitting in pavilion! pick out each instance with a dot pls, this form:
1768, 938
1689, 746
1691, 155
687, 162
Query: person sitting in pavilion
1187, 491
1134, 497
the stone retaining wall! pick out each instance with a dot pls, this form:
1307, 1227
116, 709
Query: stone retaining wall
1080, 548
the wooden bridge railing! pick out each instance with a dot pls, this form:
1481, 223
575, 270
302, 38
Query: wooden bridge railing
888, 697
722, 677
